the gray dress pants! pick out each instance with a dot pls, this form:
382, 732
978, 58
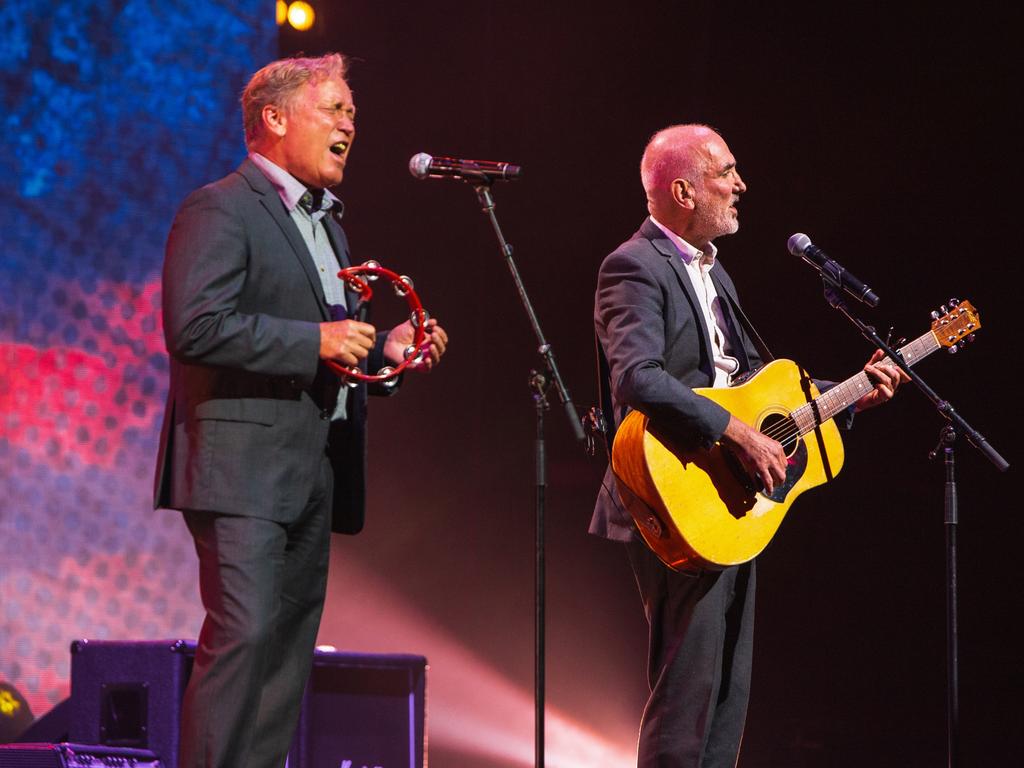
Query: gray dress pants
262, 584
701, 647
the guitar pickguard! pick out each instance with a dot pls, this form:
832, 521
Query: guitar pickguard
795, 466
796, 463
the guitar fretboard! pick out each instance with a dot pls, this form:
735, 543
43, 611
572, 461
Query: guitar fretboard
842, 395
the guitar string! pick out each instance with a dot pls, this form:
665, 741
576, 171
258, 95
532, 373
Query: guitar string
782, 431
787, 430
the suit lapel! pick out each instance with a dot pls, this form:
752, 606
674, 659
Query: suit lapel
271, 202
668, 249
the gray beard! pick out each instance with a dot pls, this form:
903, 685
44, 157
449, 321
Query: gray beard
716, 226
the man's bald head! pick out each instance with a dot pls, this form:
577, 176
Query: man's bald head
691, 182
676, 152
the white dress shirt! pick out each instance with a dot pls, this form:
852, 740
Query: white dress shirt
698, 268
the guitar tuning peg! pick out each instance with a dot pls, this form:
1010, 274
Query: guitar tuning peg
954, 302
953, 349
935, 314
944, 310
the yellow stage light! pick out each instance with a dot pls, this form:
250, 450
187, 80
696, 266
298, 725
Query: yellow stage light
282, 12
301, 15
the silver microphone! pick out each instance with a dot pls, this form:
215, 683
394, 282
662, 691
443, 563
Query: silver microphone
424, 166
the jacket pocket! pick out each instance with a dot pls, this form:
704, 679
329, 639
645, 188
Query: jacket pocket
245, 409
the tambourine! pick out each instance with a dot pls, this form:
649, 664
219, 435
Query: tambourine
418, 316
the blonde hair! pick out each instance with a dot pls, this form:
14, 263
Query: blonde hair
277, 83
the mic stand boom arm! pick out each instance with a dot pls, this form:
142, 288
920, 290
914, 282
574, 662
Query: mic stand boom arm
483, 192
944, 407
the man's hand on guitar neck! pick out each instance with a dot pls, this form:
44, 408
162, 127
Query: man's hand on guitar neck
885, 378
760, 456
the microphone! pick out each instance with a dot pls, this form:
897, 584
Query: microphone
833, 272
424, 166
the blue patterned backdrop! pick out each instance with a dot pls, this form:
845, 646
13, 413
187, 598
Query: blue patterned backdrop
112, 112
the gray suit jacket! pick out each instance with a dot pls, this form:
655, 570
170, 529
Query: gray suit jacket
657, 348
248, 411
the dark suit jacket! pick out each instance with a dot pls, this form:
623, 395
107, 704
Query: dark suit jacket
248, 411
652, 334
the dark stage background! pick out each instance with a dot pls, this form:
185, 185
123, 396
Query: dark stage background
883, 134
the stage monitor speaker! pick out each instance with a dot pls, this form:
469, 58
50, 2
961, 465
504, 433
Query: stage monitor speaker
362, 710
75, 756
128, 694
358, 709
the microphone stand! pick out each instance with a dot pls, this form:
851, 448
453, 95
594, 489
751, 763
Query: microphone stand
955, 426
539, 384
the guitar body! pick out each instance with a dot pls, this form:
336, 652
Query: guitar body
699, 509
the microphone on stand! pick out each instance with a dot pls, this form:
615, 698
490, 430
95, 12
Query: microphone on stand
801, 245
424, 166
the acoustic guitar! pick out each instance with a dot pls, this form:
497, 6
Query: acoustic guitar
699, 509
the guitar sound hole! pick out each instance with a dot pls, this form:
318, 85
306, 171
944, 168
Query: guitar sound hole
779, 426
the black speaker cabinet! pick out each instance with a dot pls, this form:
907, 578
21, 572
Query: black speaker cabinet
128, 694
75, 756
358, 709
362, 710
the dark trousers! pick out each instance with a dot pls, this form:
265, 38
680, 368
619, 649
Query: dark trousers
701, 644
262, 585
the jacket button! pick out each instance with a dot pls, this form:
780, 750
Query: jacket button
325, 414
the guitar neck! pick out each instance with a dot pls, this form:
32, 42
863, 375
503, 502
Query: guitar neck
844, 394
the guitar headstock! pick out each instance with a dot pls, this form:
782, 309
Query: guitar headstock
955, 324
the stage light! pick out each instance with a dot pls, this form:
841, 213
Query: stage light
15, 715
282, 12
478, 711
301, 15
